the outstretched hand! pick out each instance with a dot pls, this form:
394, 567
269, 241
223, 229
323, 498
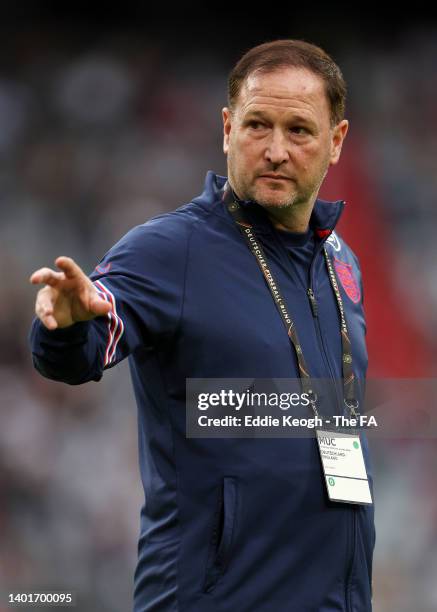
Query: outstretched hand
69, 296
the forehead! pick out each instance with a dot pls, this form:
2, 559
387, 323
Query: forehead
285, 89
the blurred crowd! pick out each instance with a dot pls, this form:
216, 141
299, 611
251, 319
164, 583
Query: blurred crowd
97, 139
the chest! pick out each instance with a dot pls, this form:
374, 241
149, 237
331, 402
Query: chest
231, 325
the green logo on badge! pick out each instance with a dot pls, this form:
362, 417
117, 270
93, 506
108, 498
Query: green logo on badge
331, 482
356, 445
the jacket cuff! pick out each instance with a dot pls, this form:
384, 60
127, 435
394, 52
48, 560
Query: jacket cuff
74, 334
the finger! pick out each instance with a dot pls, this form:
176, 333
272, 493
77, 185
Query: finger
69, 267
99, 306
47, 276
43, 305
49, 321
44, 311
46, 297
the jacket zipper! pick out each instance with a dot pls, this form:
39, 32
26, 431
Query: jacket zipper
313, 302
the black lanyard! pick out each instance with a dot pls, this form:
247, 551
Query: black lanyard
247, 232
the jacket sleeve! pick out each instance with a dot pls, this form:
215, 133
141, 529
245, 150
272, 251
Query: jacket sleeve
142, 276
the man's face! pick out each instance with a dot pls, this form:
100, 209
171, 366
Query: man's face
281, 125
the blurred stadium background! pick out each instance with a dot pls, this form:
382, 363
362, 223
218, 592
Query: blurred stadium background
107, 120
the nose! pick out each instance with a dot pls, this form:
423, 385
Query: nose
276, 152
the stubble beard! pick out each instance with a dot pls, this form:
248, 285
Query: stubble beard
292, 200
297, 199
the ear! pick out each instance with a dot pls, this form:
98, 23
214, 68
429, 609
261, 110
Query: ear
338, 134
227, 121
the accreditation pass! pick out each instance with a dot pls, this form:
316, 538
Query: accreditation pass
343, 466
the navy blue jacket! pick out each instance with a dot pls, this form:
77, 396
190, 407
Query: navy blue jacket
228, 524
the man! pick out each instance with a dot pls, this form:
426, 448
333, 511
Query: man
233, 524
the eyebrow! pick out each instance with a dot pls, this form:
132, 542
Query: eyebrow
263, 115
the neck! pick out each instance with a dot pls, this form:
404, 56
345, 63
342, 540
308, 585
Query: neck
293, 219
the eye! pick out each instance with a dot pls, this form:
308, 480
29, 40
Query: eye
255, 125
299, 129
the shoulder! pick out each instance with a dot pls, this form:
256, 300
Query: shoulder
168, 228
347, 266
340, 249
162, 241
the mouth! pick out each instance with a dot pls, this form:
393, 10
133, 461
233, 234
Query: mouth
272, 177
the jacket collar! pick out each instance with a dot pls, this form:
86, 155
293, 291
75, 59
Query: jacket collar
324, 217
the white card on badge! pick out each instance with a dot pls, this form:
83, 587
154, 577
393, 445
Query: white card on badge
344, 468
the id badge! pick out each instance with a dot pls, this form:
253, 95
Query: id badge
343, 467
